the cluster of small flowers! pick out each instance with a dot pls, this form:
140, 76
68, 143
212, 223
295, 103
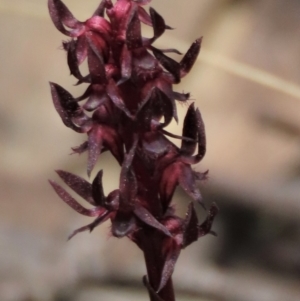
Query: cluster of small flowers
131, 100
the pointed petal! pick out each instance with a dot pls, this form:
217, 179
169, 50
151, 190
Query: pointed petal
169, 265
81, 148
78, 184
190, 227
96, 64
190, 57
201, 136
115, 95
133, 33
72, 60
169, 64
69, 110
69, 200
152, 294
90, 227
205, 227
145, 216
97, 189
168, 50
95, 145
181, 96
190, 131
177, 136
158, 24
61, 16
86, 93
201, 142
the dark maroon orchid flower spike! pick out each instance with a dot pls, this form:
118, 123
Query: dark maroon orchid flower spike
125, 109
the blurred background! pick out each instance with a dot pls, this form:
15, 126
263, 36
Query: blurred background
246, 83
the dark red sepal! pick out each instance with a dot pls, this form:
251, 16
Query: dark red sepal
97, 190
78, 184
190, 57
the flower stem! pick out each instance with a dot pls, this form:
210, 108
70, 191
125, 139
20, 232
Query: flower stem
152, 246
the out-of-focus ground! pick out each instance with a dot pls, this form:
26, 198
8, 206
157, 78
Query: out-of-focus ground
247, 86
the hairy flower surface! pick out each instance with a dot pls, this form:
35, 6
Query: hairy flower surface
128, 103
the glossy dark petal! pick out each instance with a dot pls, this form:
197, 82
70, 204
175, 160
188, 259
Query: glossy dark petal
97, 190
103, 216
133, 33
177, 136
181, 96
69, 200
190, 227
61, 16
86, 93
72, 60
201, 136
169, 64
81, 148
145, 216
69, 110
152, 294
95, 142
190, 57
78, 184
205, 227
158, 24
190, 131
96, 64
85, 79
169, 265
170, 50
201, 142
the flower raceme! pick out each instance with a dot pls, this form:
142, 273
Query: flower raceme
128, 103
